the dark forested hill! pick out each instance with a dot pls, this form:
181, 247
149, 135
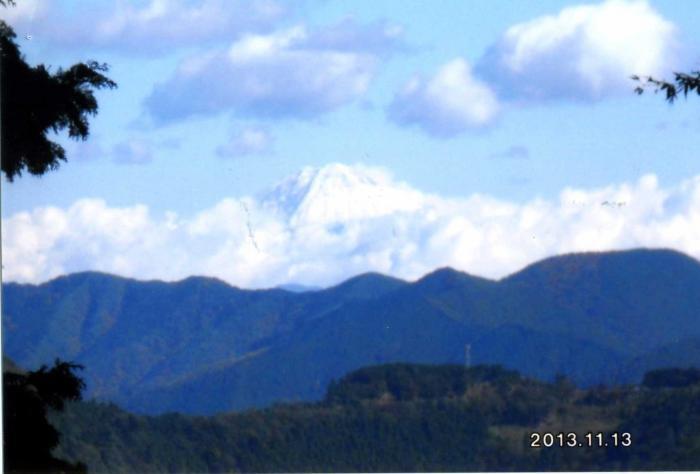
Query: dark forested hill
202, 346
406, 418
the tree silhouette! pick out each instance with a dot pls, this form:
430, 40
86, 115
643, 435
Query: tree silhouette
36, 102
682, 83
28, 438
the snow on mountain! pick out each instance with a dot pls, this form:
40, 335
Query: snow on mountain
324, 225
338, 193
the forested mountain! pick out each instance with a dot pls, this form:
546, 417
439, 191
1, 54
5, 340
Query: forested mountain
405, 418
201, 346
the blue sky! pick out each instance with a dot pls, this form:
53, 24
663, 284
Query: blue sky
513, 102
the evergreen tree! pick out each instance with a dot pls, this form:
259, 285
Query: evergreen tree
682, 83
28, 437
36, 101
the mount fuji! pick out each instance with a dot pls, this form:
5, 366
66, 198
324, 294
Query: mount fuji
324, 225
338, 193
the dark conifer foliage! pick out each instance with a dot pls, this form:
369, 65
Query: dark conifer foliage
407, 418
682, 83
28, 437
36, 101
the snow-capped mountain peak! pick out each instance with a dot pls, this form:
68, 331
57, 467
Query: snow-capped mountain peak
338, 193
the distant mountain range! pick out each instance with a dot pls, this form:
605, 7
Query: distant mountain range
202, 346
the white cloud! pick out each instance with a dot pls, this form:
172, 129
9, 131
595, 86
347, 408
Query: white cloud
153, 26
282, 74
584, 52
380, 37
323, 226
450, 102
248, 141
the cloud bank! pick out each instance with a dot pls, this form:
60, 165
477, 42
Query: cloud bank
142, 28
584, 53
294, 73
324, 225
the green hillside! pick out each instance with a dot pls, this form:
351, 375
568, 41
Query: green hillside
407, 418
200, 346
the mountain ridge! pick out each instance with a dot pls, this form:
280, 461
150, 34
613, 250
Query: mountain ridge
542, 263
157, 344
